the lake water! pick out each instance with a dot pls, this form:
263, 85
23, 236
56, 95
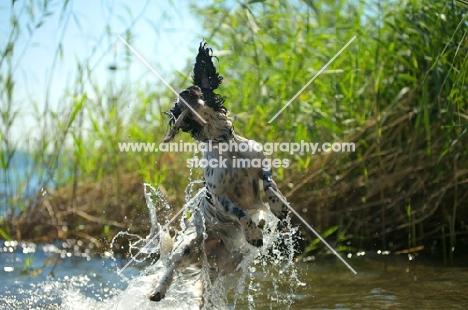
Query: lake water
67, 276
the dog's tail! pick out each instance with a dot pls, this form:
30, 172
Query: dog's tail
206, 77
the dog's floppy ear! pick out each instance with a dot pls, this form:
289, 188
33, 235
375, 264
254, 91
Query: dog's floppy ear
206, 77
204, 71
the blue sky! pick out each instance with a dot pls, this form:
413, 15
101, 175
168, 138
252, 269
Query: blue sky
162, 34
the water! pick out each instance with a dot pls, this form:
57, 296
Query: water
83, 281
67, 275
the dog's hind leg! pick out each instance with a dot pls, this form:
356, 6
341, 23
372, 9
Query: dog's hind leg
186, 251
277, 206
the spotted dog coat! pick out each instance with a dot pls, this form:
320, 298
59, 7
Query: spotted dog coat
232, 195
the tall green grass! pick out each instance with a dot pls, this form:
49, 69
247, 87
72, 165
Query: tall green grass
398, 91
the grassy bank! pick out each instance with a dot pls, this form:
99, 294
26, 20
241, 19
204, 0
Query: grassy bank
398, 92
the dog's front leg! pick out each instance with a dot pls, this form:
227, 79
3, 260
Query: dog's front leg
160, 290
253, 234
277, 206
186, 251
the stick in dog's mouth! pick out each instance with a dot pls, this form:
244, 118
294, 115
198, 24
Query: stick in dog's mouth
177, 124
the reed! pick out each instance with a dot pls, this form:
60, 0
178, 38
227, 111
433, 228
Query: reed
398, 91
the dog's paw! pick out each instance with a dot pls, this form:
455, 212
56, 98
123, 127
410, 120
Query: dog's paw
158, 293
155, 296
254, 235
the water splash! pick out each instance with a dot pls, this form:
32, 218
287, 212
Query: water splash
277, 251
155, 200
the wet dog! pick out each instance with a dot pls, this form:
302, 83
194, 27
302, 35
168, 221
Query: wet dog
228, 220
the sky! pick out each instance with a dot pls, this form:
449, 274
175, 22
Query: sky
162, 32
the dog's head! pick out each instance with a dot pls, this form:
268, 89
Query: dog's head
198, 110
